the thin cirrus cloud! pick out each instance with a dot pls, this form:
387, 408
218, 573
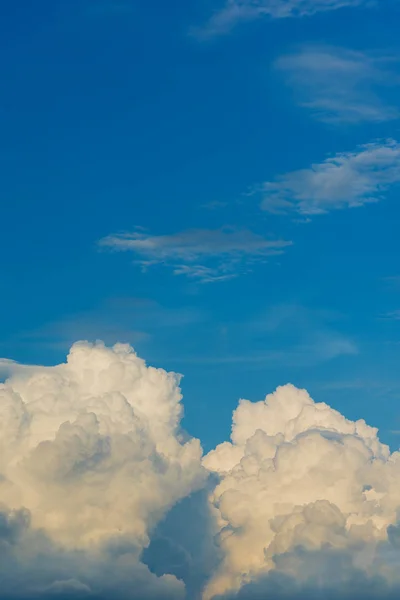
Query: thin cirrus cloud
234, 12
340, 85
393, 315
202, 254
346, 180
132, 320
282, 336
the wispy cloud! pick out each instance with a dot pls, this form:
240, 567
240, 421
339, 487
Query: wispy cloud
128, 320
214, 205
313, 332
234, 12
346, 180
109, 8
202, 254
318, 351
393, 280
340, 85
393, 315
284, 336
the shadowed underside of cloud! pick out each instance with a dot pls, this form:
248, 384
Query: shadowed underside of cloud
103, 496
327, 574
347, 180
339, 85
234, 12
202, 254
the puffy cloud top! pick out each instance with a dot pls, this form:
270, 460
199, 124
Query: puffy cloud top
92, 449
301, 503
297, 473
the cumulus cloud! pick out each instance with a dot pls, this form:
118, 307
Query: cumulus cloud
346, 180
326, 573
298, 479
235, 12
34, 566
91, 458
102, 495
202, 254
340, 85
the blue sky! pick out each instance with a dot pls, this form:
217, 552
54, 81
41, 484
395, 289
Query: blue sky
216, 185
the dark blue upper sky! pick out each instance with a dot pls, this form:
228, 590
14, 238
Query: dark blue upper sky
216, 185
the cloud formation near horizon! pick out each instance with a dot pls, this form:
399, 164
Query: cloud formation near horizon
301, 503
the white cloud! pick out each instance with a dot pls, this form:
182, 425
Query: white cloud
347, 180
92, 451
303, 502
340, 85
298, 475
203, 254
8, 366
237, 11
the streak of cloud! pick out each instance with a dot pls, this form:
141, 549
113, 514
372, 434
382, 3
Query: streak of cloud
346, 180
235, 12
339, 85
202, 254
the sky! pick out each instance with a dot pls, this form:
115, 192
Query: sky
216, 186
214, 183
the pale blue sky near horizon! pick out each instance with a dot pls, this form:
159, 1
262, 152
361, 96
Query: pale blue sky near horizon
218, 189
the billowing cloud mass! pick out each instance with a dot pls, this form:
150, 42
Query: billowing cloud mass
102, 495
296, 479
91, 458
